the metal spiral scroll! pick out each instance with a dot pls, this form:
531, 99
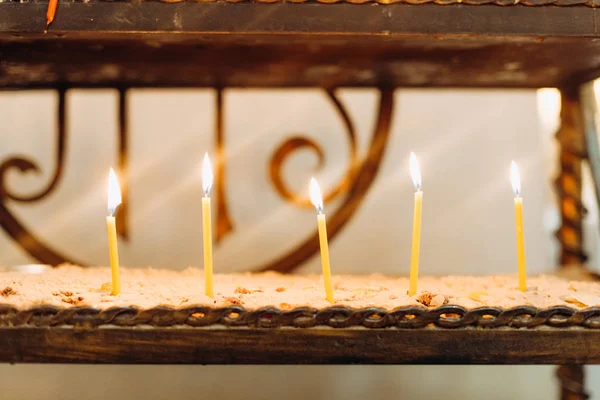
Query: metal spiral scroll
298, 143
33, 245
447, 317
355, 184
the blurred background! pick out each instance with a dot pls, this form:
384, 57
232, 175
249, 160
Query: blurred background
464, 139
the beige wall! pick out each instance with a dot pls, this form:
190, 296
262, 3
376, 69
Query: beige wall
465, 140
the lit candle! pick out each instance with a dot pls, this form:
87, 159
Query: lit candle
207, 181
317, 199
114, 200
415, 173
515, 180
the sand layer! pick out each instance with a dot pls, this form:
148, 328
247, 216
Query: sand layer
75, 286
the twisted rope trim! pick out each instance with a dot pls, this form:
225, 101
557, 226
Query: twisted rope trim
303, 317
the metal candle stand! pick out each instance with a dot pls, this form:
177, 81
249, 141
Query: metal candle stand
352, 43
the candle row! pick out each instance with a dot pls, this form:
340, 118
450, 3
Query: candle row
114, 200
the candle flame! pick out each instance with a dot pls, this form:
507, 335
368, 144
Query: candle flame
515, 178
315, 195
415, 172
114, 192
207, 175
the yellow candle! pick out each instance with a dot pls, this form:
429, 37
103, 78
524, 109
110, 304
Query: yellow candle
207, 233
114, 200
207, 181
416, 233
317, 200
516, 184
114, 254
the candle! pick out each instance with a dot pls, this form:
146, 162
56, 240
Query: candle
415, 174
207, 181
51, 11
317, 199
114, 200
515, 179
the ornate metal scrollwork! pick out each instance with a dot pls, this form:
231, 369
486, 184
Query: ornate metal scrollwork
359, 178
17, 230
23, 164
13, 227
355, 183
296, 143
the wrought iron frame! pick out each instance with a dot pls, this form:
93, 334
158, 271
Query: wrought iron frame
577, 138
567, 33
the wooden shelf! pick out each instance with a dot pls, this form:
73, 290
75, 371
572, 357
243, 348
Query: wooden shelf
300, 346
219, 44
334, 335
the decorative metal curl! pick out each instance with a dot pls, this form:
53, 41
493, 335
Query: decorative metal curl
24, 165
23, 236
13, 227
295, 143
363, 176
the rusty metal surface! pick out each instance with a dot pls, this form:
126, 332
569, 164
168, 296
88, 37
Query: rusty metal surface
568, 184
247, 44
309, 18
571, 380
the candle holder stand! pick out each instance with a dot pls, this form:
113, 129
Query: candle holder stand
387, 44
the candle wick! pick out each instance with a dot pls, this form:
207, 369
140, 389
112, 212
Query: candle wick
113, 210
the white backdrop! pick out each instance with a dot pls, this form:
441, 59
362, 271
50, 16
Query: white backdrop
465, 141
